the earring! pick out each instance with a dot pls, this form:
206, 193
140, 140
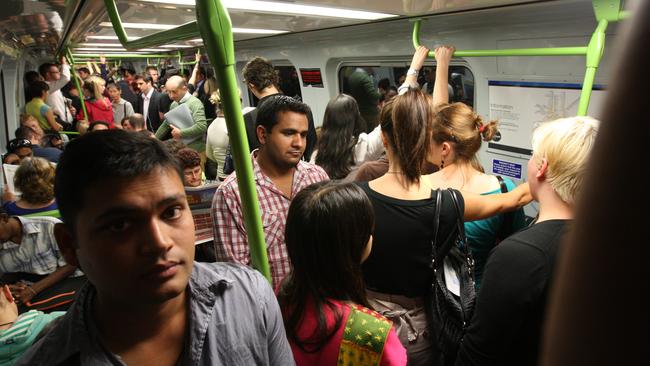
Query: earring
442, 163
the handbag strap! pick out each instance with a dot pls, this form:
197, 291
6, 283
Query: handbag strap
508, 218
436, 225
461, 226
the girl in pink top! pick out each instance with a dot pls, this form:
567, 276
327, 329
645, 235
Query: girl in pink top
326, 314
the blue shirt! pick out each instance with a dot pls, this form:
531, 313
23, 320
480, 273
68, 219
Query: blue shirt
482, 234
234, 319
13, 209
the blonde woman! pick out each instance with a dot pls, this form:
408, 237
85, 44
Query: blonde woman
98, 107
35, 180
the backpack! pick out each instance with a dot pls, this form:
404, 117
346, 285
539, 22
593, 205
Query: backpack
451, 300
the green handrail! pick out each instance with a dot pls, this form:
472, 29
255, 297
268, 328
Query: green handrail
117, 56
182, 32
604, 10
216, 31
71, 58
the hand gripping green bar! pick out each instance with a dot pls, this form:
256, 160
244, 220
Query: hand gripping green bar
76, 82
216, 31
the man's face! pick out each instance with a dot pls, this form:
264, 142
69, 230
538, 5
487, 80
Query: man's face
192, 176
175, 92
115, 94
287, 140
137, 245
154, 75
83, 75
24, 152
143, 85
127, 125
53, 74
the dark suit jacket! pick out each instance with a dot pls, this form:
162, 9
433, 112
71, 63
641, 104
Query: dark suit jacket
156, 104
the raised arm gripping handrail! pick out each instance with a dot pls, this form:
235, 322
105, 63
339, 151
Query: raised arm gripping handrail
74, 76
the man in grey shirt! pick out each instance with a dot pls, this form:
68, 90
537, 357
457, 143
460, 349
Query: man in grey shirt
147, 301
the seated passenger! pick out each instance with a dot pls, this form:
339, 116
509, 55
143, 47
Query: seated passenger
128, 224
11, 159
343, 144
506, 327
35, 180
22, 148
98, 126
31, 263
19, 332
50, 153
324, 303
190, 162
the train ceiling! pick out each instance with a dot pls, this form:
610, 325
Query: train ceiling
40, 25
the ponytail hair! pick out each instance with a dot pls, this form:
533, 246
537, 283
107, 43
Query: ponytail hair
464, 129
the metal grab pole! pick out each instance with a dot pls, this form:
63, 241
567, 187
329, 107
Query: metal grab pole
216, 31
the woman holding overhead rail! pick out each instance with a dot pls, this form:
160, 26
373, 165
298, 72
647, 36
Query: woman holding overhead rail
457, 134
404, 205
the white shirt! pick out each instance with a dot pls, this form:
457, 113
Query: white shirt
216, 144
56, 100
145, 105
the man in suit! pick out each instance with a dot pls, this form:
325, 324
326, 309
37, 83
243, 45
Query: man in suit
149, 102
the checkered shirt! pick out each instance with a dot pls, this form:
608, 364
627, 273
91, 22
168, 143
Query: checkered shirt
37, 252
230, 238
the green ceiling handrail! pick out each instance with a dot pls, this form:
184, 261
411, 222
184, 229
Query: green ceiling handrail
182, 32
604, 10
118, 56
74, 76
216, 31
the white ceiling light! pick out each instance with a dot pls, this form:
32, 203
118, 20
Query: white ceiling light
109, 45
112, 49
286, 8
111, 38
170, 26
177, 46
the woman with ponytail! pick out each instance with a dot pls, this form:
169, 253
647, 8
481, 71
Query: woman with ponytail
457, 135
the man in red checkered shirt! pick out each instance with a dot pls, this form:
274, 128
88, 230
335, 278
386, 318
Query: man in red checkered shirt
279, 175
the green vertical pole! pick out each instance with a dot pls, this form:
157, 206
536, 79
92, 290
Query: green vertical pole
76, 82
216, 31
594, 55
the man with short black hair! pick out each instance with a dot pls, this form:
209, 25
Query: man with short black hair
149, 102
128, 74
262, 80
146, 300
83, 72
279, 174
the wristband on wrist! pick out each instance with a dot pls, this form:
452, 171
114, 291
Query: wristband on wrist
412, 71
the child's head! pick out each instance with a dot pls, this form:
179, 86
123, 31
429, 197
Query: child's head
328, 235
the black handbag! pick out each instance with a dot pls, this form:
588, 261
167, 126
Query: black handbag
449, 314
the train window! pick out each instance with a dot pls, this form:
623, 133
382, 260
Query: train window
289, 84
461, 81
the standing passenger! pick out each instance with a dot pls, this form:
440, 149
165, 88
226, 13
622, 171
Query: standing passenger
262, 80
121, 108
149, 102
56, 79
279, 175
510, 309
176, 88
324, 302
146, 300
98, 107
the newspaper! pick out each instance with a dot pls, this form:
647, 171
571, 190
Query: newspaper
200, 201
181, 118
9, 173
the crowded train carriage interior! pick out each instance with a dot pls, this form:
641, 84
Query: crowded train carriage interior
412, 166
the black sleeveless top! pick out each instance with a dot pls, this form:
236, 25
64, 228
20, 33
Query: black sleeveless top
401, 247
